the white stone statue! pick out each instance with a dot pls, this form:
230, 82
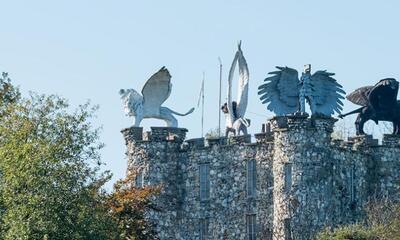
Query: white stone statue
235, 110
156, 90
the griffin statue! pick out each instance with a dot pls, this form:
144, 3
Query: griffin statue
378, 103
156, 90
235, 110
286, 94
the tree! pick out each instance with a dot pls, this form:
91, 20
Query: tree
382, 223
50, 182
8, 93
128, 205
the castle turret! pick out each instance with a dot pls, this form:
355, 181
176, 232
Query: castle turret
388, 167
302, 177
154, 158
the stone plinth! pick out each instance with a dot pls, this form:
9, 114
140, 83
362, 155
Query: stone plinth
281, 123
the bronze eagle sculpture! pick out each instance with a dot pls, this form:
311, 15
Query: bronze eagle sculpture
378, 103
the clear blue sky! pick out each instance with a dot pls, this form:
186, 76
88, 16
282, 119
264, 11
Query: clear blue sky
90, 49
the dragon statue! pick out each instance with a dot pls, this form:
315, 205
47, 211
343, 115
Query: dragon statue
378, 103
155, 92
286, 94
235, 110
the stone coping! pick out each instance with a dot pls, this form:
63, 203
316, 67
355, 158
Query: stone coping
136, 134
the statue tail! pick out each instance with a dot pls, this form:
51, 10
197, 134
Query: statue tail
182, 114
358, 110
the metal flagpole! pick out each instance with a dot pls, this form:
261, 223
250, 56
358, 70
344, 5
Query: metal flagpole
202, 106
219, 102
201, 97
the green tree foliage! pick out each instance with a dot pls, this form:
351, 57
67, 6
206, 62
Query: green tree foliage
50, 181
382, 223
8, 93
352, 232
49, 175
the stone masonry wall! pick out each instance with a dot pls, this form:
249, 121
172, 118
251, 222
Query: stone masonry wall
305, 181
228, 204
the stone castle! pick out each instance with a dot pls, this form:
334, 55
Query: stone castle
290, 183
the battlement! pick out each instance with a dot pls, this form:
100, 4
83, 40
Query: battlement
278, 124
293, 175
157, 134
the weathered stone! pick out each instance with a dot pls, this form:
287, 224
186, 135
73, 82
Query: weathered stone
305, 180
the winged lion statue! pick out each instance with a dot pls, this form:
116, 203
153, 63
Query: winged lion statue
235, 111
148, 105
378, 103
284, 93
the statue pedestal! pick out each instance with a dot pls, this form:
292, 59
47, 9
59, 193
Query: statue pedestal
136, 134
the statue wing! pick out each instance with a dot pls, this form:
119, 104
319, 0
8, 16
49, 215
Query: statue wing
157, 89
243, 89
327, 93
360, 96
230, 77
384, 94
281, 91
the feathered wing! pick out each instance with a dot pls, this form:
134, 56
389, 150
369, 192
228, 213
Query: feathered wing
230, 78
281, 91
327, 93
243, 89
156, 90
360, 96
384, 94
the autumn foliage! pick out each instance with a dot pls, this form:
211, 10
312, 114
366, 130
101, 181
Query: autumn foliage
128, 205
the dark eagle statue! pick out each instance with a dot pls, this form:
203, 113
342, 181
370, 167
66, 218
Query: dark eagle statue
378, 103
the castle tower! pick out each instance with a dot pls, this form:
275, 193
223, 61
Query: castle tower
389, 165
302, 170
154, 158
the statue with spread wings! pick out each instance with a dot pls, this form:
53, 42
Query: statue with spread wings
155, 92
378, 103
286, 94
235, 110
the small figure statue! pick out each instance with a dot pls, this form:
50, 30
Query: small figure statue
378, 103
286, 94
235, 111
155, 92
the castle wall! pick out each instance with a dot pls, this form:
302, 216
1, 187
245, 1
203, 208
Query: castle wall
228, 205
304, 180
